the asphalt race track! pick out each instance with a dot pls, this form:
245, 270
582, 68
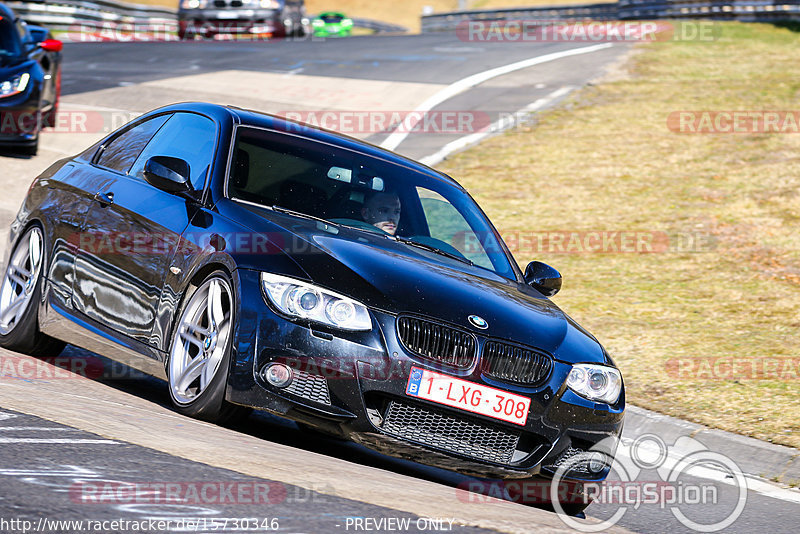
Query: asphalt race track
72, 445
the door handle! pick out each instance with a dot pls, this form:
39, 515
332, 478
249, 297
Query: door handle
105, 199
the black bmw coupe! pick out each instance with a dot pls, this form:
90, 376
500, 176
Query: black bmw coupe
30, 81
255, 262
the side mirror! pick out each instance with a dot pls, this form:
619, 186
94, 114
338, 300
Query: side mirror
543, 278
51, 45
168, 174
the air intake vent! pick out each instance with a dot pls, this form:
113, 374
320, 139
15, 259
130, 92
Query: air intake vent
514, 364
308, 386
448, 432
438, 343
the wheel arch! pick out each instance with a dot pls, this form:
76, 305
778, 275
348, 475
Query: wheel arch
192, 282
16, 235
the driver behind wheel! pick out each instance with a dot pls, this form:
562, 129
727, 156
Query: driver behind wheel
382, 210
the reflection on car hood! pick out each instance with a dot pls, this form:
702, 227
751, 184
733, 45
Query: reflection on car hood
397, 278
10, 65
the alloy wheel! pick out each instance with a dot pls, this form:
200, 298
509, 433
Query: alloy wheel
22, 276
201, 340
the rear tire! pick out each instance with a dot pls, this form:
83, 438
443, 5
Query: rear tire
200, 352
20, 294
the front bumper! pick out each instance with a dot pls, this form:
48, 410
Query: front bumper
353, 384
323, 31
231, 21
20, 118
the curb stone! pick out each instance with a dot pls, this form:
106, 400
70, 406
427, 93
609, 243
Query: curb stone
754, 457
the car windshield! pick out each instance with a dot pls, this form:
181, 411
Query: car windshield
9, 42
332, 19
370, 194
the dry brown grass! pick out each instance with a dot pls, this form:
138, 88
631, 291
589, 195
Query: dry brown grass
607, 161
408, 13
404, 13
165, 3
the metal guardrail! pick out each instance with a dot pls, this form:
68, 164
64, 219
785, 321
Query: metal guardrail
743, 10
71, 11
450, 21
64, 15
378, 26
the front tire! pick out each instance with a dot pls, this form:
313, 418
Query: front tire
20, 293
50, 118
200, 352
31, 149
183, 31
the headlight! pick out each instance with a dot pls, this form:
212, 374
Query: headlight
595, 382
15, 85
347, 22
305, 301
270, 4
194, 4
318, 23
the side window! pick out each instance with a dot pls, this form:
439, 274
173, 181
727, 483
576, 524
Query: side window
22, 31
186, 136
447, 225
9, 44
122, 151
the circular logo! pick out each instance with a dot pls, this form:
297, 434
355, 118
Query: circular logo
478, 322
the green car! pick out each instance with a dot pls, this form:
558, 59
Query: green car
332, 24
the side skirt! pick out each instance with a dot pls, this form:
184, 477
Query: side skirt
61, 322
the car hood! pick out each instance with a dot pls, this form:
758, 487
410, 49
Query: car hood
397, 278
11, 65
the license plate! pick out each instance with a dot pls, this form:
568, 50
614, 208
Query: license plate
468, 396
228, 15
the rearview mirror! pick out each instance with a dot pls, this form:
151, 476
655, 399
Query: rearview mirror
543, 278
168, 174
51, 45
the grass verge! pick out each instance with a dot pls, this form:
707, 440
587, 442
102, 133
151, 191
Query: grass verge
708, 332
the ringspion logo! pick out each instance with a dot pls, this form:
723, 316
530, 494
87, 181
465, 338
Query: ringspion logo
644, 472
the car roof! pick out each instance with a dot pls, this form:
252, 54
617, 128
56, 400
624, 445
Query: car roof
6, 12
273, 122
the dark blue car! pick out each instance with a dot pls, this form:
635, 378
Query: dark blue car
30, 81
255, 262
